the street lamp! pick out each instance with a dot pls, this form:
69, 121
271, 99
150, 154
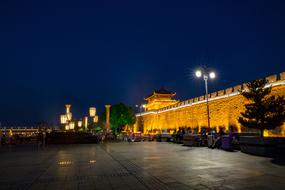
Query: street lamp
63, 119
67, 127
79, 123
71, 125
92, 112
206, 75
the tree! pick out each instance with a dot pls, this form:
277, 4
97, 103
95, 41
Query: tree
120, 116
263, 111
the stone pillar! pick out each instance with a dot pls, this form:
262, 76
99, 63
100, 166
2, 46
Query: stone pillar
107, 117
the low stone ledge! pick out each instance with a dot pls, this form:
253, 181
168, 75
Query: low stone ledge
267, 146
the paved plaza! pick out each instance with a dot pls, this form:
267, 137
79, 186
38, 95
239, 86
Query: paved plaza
138, 166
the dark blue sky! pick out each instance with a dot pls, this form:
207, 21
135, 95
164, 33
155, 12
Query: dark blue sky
97, 52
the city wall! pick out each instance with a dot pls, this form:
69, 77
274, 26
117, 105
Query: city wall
225, 107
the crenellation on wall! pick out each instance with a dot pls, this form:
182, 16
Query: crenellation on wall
221, 92
201, 98
282, 76
190, 101
244, 87
271, 78
213, 94
237, 88
229, 90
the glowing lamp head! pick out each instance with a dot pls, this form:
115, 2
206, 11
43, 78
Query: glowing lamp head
63, 119
71, 125
92, 112
144, 106
212, 75
67, 127
80, 123
198, 73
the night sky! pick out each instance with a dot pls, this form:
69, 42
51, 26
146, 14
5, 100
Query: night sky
90, 53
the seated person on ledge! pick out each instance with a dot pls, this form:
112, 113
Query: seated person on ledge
218, 140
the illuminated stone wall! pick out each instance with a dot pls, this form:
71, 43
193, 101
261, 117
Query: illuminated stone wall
225, 107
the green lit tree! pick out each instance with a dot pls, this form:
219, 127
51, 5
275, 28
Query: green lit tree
264, 111
120, 116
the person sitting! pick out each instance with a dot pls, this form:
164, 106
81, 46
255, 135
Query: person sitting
218, 140
203, 137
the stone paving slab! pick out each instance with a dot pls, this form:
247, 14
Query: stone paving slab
148, 165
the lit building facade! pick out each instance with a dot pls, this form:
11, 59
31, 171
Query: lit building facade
160, 99
225, 108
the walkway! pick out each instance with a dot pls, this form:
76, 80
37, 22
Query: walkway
137, 166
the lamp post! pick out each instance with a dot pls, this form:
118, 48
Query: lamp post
206, 75
86, 122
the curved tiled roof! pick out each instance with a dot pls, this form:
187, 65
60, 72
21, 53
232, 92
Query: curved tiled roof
161, 91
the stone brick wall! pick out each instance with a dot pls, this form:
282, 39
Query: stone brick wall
225, 107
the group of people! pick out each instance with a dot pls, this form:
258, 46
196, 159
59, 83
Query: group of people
104, 136
6, 137
129, 137
217, 138
201, 138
